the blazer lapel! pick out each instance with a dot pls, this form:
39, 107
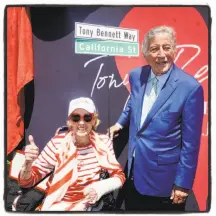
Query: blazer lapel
164, 95
143, 81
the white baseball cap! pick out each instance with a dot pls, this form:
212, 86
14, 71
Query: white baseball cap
82, 103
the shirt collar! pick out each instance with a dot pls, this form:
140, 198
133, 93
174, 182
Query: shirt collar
162, 79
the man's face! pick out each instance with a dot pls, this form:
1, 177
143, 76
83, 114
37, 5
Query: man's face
82, 122
161, 53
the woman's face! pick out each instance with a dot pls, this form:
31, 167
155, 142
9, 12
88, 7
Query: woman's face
82, 122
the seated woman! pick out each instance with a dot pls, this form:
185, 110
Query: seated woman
75, 158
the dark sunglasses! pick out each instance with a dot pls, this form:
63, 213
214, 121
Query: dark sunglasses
78, 117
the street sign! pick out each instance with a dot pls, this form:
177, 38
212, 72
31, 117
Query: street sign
106, 40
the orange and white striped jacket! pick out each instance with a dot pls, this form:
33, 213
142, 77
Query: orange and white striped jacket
60, 157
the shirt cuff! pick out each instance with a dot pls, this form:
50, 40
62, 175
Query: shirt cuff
119, 125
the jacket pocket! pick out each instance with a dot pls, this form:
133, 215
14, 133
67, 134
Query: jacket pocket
168, 158
169, 115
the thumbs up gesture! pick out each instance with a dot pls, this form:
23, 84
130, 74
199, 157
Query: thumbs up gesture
31, 150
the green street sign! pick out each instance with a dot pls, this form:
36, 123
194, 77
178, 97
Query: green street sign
105, 47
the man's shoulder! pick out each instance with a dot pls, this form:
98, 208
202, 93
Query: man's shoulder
186, 78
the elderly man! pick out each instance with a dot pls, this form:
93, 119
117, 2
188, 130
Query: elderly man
165, 113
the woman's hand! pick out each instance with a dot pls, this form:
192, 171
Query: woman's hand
90, 195
31, 151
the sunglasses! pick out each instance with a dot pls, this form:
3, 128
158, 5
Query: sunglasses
78, 117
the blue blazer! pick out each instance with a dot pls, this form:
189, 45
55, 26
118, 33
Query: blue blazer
167, 144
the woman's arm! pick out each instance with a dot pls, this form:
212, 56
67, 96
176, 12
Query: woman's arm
117, 176
32, 173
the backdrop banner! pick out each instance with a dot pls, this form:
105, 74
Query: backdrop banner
70, 64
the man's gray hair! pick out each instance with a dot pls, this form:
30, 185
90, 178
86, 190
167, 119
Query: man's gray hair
158, 30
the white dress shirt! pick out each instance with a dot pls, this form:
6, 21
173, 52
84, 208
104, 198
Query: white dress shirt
147, 103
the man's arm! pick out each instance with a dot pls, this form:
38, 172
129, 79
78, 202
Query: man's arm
123, 120
192, 117
125, 116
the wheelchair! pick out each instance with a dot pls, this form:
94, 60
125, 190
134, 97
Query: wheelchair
29, 199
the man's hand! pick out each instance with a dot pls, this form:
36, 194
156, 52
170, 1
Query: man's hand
179, 195
31, 151
113, 131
